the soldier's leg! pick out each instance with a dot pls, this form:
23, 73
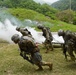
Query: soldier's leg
37, 59
46, 46
70, 51
51, 46
64, 50
39, 67
49, 64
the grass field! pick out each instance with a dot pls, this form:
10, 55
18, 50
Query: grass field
12, 64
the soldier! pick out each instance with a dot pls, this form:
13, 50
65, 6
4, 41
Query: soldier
24, 31
70, 41
47, 34
29, 51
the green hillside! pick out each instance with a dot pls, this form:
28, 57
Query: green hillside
65, 4
30, 4
22, 14
44, 9
55, 25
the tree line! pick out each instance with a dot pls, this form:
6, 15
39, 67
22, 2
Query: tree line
63, 14
30, 4
65, 4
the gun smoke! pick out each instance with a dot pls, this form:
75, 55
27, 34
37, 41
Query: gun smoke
8, 25
7, 29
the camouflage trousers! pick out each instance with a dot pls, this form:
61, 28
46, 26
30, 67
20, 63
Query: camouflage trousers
48, 45
37, 60
71, 48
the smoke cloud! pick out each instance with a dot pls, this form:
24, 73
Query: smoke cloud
7, 30
8, 25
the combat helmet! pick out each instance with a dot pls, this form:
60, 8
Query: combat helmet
15, 38
40, 26
18, 28
61, 32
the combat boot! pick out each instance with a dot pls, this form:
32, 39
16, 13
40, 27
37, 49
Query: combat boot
50, 65
47, 64
40, 68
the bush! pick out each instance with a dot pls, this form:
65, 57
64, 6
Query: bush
74, 21
66, 16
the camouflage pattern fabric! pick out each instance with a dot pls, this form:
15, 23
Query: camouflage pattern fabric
48, 41
70, 44
24, 31
30, 52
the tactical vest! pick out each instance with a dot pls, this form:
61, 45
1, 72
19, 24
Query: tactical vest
27, 44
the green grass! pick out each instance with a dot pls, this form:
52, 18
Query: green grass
3, 41
23, 14
12, 64
62, 25
54, 25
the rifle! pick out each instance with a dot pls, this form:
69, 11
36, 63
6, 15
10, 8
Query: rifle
26, 57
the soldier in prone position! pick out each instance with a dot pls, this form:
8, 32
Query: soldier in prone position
29, 51
47, 34
70, 43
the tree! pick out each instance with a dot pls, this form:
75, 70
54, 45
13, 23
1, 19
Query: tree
65, 4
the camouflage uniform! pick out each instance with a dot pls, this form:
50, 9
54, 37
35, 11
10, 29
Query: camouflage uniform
47, 34
28, 47
24, 31
70, 41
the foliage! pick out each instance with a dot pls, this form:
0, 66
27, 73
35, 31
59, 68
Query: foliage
74, 19
55, 25
64, 4
44, 9
47, 11
30, 4
66, 16
23, 14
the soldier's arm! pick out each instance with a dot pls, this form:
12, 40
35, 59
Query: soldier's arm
27, 58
